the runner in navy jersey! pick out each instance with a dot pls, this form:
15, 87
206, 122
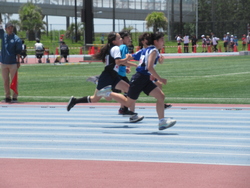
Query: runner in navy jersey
137, 56
141, 81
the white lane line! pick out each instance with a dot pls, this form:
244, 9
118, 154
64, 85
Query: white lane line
134, 135
122, 150
127, 160
79, 116
34, 129
122, 142
60, 116
185, 125
83, 120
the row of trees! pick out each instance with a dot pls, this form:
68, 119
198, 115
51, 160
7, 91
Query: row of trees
221, 16
31, 21
217, 16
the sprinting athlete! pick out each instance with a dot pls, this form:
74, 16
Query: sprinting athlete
140, 81
111, 56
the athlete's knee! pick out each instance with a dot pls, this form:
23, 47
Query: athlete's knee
108, 98
95, 98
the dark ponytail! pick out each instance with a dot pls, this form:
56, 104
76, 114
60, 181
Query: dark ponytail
106, 49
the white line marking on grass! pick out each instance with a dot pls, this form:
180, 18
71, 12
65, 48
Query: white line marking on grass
206, 76
140, 98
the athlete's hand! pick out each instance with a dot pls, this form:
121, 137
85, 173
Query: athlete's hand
129, 57
163, 80
152, 78
128, 70
161, 59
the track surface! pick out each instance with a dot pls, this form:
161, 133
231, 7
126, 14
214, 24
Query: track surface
43, 145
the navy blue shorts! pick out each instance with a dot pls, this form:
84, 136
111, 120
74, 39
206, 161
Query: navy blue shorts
124, 78
108, 78
139, 83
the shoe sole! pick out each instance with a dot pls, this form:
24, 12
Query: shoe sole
68, 108
139, 119
166, 127
127, 115
101, 93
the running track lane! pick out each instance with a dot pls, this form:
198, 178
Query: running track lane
212, 151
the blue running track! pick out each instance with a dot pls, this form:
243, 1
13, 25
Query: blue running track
202, 135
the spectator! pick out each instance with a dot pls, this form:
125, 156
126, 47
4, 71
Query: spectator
102, 39
208, 41
228, 41
231, 43
244, 42
204, 43
64, 50
225, 42
194, 42
235, 40
23, 52
39, 50
10, 59
215, 43
179, 40
248, 40
131, 48
186, 43
58, 59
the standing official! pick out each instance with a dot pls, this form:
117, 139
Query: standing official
10, 59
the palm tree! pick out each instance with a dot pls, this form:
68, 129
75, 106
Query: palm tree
31, 19
156, 20
70, 33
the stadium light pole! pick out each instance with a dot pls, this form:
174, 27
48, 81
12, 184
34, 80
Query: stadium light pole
113, 15
75, 22
169, 34
197, 18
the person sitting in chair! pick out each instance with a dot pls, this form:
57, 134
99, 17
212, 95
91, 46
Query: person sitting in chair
64, 51
23, 53
39, 50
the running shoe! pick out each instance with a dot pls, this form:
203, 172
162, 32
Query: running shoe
14, 100
167, 123
7, 100
135, 118
125, 112
103, 92
93, 79
128, 113
167, 106
71, 103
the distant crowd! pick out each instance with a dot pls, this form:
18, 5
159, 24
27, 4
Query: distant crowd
210, 43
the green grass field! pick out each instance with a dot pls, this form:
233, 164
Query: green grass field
190, 80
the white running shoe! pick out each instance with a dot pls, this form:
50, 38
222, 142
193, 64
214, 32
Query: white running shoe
103, 92
93, 79
167, 123
135, 118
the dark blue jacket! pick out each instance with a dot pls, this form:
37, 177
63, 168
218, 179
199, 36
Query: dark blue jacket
11, 46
